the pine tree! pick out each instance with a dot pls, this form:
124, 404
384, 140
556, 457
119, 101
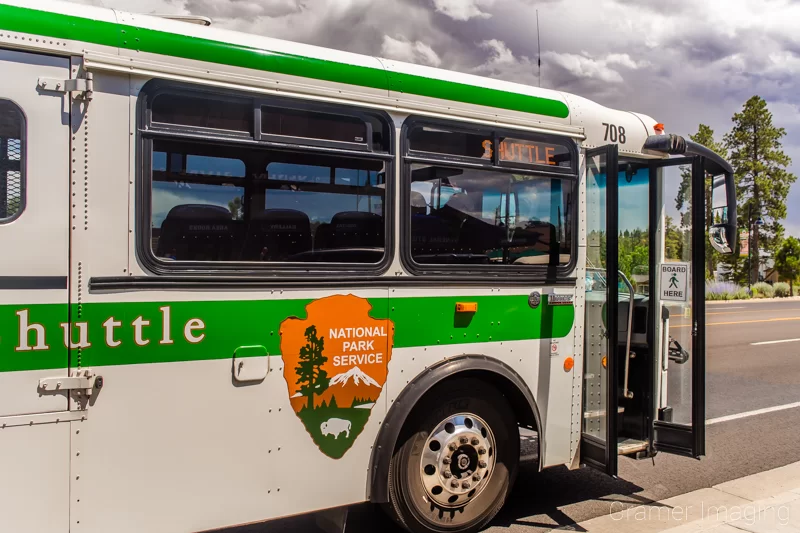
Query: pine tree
704, 136
310, 376
761, 177
333, 405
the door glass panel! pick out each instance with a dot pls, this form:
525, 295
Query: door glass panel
673, 287
595, 395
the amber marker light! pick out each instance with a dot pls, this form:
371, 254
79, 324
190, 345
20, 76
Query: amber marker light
569, 362
604, 361
659, 128
467, 307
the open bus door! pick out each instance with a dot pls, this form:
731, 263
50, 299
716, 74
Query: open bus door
645, 345
681, 210
677, 307
602, 299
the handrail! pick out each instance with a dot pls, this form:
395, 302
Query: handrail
625, 392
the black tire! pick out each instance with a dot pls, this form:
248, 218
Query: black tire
409, 504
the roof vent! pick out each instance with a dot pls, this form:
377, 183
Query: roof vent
191, 19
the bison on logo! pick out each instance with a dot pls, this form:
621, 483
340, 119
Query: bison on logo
335, 365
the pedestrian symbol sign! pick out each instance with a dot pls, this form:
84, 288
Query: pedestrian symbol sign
675, 282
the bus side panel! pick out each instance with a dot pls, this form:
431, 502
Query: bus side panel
34, 493
505, 328
183, 446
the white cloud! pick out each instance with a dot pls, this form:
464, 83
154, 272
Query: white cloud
463, 9
600, 68
412, 52
501, 54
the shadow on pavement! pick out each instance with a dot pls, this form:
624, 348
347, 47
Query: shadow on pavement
535, 503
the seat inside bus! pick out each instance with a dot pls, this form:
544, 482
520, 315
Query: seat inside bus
276, 235
199, 232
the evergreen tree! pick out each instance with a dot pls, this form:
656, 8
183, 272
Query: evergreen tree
333, 405
704, 136
787, 260
761, 176
310, 376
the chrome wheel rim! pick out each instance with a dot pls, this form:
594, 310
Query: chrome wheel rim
458, 460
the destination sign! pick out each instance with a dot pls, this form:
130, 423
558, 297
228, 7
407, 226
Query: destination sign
532, 152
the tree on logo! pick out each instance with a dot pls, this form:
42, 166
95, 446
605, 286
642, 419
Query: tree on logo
310, 376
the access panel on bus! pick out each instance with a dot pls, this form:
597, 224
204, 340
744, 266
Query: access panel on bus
34, 239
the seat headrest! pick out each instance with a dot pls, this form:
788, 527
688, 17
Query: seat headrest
199, 211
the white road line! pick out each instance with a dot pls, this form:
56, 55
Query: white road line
774, 342
742, 307
752, 413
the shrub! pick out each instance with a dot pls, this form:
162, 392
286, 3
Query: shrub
763, 290
781, 289
724, 290
742, 294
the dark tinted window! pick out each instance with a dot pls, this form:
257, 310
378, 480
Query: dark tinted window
313, 125
12, 178
489, 217
209, 205
446, 142
216, 113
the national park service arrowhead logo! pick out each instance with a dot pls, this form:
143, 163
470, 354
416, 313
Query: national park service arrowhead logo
335, 363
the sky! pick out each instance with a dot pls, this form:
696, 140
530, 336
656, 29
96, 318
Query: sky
682, 62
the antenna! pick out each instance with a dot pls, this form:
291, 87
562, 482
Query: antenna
539, 48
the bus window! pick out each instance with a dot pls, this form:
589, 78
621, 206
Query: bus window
207, 204
12, 161
489, 217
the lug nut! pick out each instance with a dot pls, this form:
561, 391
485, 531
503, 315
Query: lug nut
447, 474
452, 446
465, 485
481, 450
482, 464
463, 440
475, 441
476, 477
446, 461
454, 484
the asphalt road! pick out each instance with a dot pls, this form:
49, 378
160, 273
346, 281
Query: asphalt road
741, 377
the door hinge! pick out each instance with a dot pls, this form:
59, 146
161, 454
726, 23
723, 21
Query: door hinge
84, 86
81, 383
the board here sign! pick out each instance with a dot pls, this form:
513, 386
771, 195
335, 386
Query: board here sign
675, 282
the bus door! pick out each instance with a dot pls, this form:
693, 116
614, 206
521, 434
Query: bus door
34, 239
677, 311
602, 302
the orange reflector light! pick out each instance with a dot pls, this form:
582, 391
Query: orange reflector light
605, 362
659, 128
569, 362
467, 307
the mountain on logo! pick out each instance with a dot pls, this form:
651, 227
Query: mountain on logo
357, 375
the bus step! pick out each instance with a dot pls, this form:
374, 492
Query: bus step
630, 446
598, 413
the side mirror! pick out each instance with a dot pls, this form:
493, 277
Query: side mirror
723, 203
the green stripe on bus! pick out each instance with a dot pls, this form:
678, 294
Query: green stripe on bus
420, 321
60, 26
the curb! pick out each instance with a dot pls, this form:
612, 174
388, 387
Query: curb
765, 502
753, 300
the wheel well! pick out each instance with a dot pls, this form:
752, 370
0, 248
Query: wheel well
485, 369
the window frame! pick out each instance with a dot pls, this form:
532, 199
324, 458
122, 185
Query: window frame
570, 179
148, 131
23, 164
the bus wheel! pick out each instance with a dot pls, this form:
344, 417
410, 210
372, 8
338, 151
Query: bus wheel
459, 459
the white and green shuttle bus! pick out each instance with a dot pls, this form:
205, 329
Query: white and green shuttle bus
244, 279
